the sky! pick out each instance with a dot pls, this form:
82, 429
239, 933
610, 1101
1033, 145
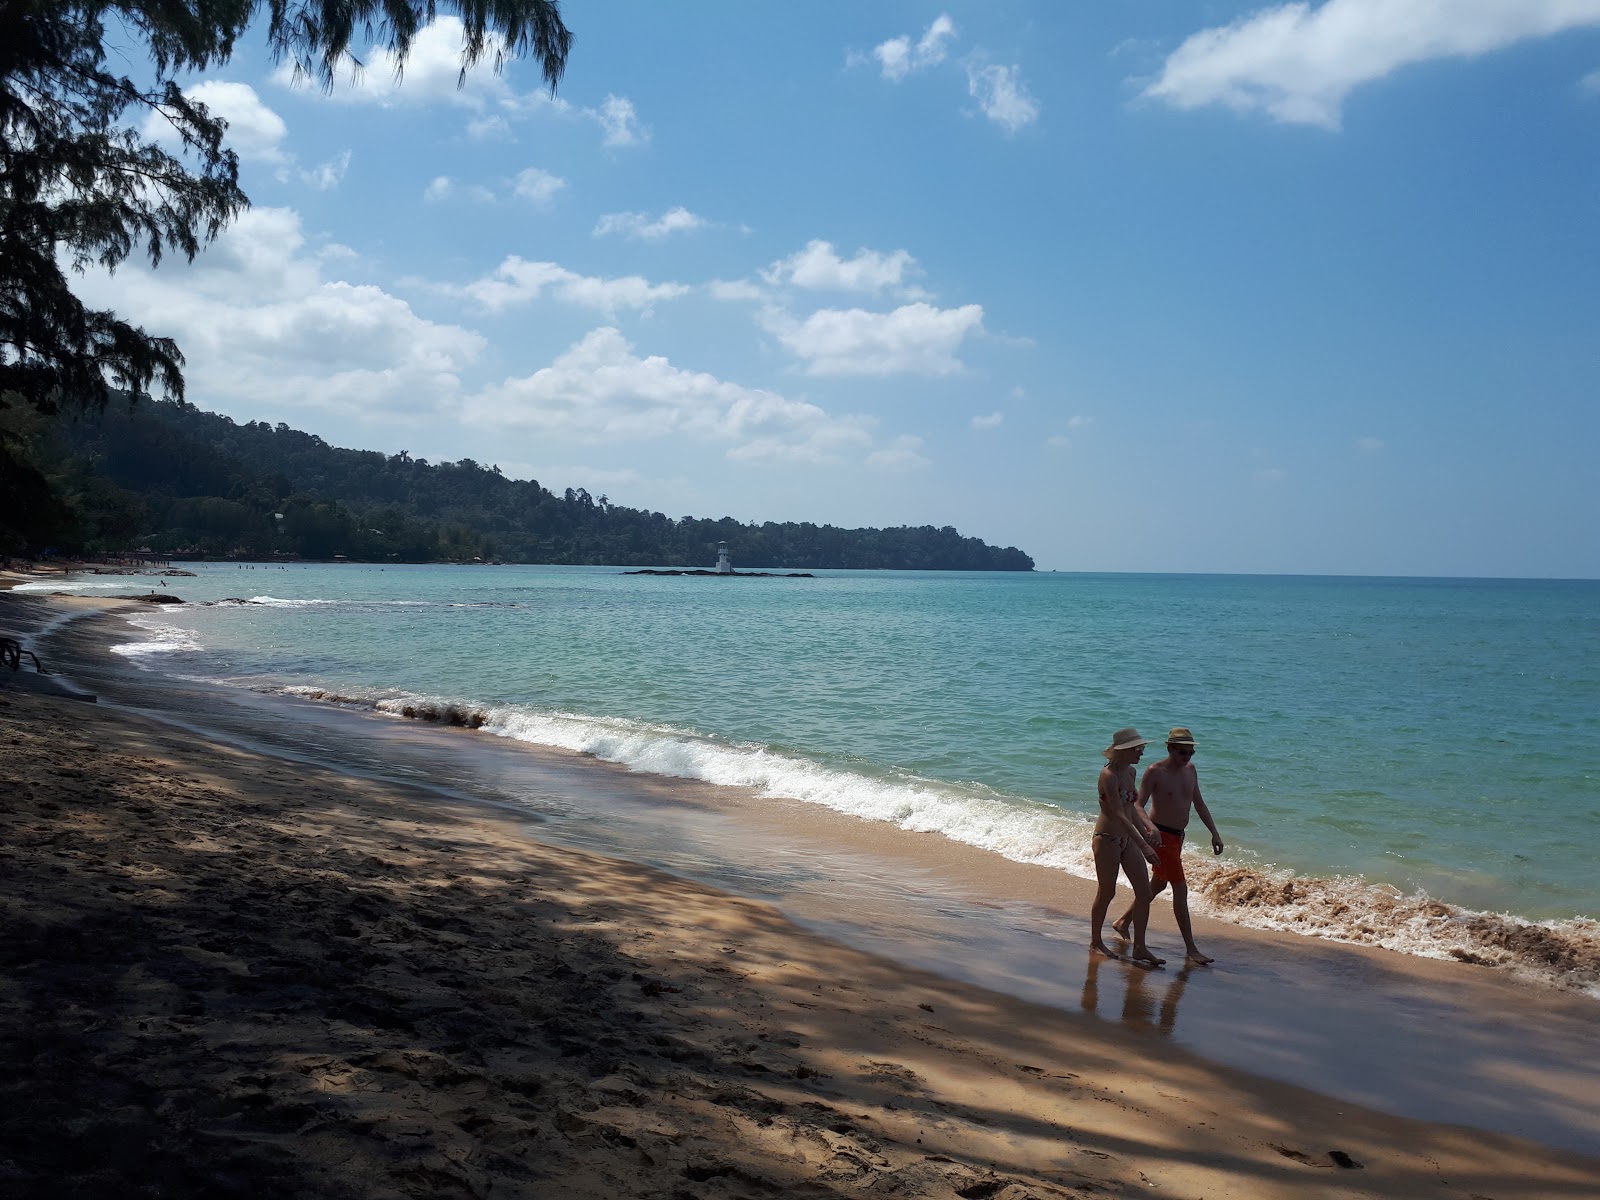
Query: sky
1302, 288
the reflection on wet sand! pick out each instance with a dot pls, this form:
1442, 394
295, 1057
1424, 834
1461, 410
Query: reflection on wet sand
1142, 1008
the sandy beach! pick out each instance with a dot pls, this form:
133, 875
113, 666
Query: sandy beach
229, 973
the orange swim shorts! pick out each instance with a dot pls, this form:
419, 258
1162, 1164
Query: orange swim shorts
1169, 860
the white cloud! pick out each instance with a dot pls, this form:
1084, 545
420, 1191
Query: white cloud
904, 452
262, 329
1590, 83
819, 268
439, 189
898, 57
431, 73
254, 130
1001, 94
329, 175
1078, 422
642, 225
537, 185
992, 421
1298, 64
915, 338
620, 122
1059, 440
517, 281
601, 390
1369, 445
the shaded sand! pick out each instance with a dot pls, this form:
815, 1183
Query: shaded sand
226, 974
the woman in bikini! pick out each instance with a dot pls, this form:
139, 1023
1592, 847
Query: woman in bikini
1122, 841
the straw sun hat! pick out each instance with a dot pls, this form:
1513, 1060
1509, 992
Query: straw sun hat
1124, 739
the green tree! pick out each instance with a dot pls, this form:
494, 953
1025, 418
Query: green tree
82, 183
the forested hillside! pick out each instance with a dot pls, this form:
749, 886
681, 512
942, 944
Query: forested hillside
175, 479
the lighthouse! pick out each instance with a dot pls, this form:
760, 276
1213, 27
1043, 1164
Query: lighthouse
724, 565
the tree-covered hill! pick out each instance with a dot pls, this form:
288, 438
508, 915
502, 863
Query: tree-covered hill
175, 479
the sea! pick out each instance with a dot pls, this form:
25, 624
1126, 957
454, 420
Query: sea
1405, 763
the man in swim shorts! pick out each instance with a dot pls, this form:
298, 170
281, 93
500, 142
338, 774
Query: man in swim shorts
1171, 789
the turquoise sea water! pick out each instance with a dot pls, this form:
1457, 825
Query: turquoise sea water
1388, 759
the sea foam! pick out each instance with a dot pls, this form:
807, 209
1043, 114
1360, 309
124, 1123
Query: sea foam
1563, 953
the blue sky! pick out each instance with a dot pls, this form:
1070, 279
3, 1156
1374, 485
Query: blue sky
1307, 288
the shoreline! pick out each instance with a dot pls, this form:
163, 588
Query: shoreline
1042, 1129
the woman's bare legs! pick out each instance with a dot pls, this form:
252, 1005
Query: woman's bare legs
1107, 860
1133, 865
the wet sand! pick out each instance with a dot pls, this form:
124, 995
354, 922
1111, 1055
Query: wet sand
234, 972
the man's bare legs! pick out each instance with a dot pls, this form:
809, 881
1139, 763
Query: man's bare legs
1180, 910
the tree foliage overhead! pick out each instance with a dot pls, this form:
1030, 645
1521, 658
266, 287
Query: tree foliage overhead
83, 181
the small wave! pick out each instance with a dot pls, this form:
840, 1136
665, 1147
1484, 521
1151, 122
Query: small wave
320, 602
73, 585
279, 602
163, 639
1565, 954
1348, 909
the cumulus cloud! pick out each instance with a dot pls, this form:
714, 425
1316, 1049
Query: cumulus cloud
992, 421
642, 225
819, 268
619, 122
601, 390
1297, 63
254, 130
898, 57
431, 73
517, 281
537, 185
262, 328
1002, 96
913, 339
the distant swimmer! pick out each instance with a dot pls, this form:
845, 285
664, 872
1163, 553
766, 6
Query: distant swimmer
1123, 837
1172, 788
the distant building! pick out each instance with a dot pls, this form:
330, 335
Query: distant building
724, 564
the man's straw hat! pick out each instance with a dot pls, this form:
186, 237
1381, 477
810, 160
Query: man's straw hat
1180, 737
1125, 739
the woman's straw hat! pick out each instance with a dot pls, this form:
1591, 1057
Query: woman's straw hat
1125, 739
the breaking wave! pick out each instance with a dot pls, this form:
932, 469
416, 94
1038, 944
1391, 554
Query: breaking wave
1562, 953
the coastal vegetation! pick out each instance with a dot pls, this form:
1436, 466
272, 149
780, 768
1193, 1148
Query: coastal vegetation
175, 480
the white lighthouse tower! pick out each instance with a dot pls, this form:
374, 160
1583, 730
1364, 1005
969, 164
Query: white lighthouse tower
724, 565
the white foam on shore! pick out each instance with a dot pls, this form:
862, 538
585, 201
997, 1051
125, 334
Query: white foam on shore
1563, 953
163, 639
76, 585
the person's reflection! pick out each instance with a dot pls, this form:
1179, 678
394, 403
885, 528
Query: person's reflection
1141, 1009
